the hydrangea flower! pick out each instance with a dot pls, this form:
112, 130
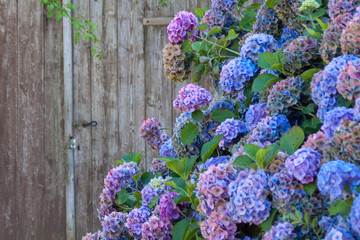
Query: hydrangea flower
341, 7
333, 118
323, 85
167, 208
317, 141
336, 227
155, 187
357, 110
213, 229
167, 149
301, 53
156, 229
303, 164
287, 36
348, 83
223, 5
106, 204
236, 73
232, 130
94, 236
277, 164
355, 216
283, 11
267, 22
248, 197
281, 231
191, 98
114, 225
269, 129
350, 37
280, 185
334, 175
257, 44
254, 114
178, 28
176, 63
135, 219
224, 103
215, 161
309, 5
151, 132
158, 166
283, 95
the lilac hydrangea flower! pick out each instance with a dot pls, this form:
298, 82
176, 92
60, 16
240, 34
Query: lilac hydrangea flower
280, 185
269, 129
213, 229
156, 229
135, 220
167, 149
236, 73
303, 164
334, 175
151, 132
155, 187
248, 197
287, 36
114, 225
191, 98
333, 118
281, 231
167, 208
94, 236
178, 28
317, 141
257, 44
106, 204
158, 166
323, 85
232, 130
254, 114
223, 5
340, 7
348, 83
267, 22
355, 216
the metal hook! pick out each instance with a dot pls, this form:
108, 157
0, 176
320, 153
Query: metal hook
90, 124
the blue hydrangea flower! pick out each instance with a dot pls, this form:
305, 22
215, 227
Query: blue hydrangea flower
223, 5
267, 22
232, 130
357, 110
280, 185
336, 227
257, 44
135, 220
287, 36
334, 175
339, 234
355, 216
333, 119
114, 225
254, 114
281, 231
236, 73
167, 149
215, 161
155, 187
303, 164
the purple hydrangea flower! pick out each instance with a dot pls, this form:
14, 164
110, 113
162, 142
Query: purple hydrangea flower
303, 164
135, 220
348, 83
269, 129
191, 98
334, 175
341, 7
94, 236
156, 229
158, 166
114, 225
150, 131
280, 185
257, 44
223, 5
236, 73
333, 118
287, 36
248, 197
357, 110
323, 85
178, 28
106, 204
167, 149
232, 130
254, 114
214, 229
155, 187
281, 231
167, 208
355, 216
267, 22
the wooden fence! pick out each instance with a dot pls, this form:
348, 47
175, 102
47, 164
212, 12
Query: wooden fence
48, 191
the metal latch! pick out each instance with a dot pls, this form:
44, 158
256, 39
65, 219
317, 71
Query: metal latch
78, 124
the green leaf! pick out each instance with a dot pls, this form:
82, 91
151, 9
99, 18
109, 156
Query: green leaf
308, 74
198, 72
199, 12
271, 3
274, 61
261, 156
342, 207
310, 188
154, 201
197, 46
202, 27
309, 108
208, 148
136, 177
178, 230
251, 150
243, 162
231, 35
189, 133
189, 166
274, 150
323, 25
132, 157
214, 30
137, 195
263, 81
266, 226
292, 140
307, 218
186, 46
146, 177
190, 231
221, 115
204, 59
197, 115
181, 199
76, 37
312, 33
177, 167
122, 196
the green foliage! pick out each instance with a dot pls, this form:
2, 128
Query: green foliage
310, 188
220, 115
164, 3
146, 177
272, 61
342, 207
189, 133
263, 81
292, 140
130, 157
208, 148
197, 115
266, 225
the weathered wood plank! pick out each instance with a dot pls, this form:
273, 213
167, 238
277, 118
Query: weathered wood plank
8, 118
30, 124
156, 21
82, 112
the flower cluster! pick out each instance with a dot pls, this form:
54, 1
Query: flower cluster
334, 175
176, 63
213, 18
212, 229
254, 114
269, 129
178, 28
156, 228
355, 216
357, 110
278, 163
114, 225
336, 227
283, 95
348, 83
158, 166
286, 10
236, 73
232, 130
267, 22
223, 5
151, 132
155, 187
281, 187
281, 231
301, 53
191, 98
308, 5
317, 141
287, 36
333, 118
248, 197
341, 7
350, 37
167, 208
94, 236
135, 220
303, 164
215, 161
257, 44
167, 149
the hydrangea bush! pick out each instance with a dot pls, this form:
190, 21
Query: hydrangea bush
272, 151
